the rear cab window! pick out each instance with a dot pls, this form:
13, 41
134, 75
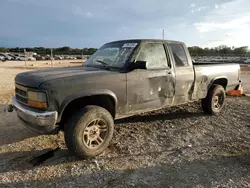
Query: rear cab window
180, 56
154, 54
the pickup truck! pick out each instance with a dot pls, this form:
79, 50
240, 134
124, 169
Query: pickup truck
122, 78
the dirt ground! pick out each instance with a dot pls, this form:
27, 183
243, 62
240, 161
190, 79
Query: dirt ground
175, 147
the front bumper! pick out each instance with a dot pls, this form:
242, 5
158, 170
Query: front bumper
40, 122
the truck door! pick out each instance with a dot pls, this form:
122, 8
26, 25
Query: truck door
184, 73
153, 87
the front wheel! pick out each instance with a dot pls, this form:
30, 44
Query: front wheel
89, 131
215, 100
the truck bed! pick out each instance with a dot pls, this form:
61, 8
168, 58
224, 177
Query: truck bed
205, 73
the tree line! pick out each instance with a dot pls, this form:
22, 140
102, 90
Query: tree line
194, 51
57, 51
219, 51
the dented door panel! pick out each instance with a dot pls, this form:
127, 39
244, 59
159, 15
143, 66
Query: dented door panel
200, 87
184, 84
184, 72
149, 89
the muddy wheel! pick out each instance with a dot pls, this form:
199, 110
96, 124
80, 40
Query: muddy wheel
89, 131
215, 100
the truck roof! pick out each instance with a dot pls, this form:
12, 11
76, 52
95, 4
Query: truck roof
147, 40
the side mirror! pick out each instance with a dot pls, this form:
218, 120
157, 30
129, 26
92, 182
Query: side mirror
138, 65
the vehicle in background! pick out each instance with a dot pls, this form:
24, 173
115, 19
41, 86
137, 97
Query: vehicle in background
237, 59
31, 59
68, 57
23, 58
47, 57
79, 57
10, 58
2, 58
246, 60
228, 60
7, 57
20, 57
217, 59
12, 55
225, 59
16, 55
58, 57
39, 57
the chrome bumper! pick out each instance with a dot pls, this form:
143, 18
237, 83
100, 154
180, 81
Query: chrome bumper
41, 122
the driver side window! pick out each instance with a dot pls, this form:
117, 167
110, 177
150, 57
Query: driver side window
154, 54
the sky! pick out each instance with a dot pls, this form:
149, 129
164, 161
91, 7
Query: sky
81, 23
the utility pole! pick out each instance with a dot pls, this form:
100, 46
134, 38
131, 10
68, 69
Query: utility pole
51, 56
163, 34
24, 50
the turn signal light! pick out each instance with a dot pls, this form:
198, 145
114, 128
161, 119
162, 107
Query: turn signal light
37, 104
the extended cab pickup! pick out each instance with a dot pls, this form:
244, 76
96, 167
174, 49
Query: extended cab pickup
121, 79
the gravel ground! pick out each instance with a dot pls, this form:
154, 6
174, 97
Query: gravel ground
175, 147
245, 76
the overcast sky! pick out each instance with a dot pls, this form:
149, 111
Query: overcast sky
90, 23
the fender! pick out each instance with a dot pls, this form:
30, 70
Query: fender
216, 78
85, 93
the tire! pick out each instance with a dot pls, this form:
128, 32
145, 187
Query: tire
82, 127
215, 100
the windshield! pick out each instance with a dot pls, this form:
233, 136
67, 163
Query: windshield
111, 55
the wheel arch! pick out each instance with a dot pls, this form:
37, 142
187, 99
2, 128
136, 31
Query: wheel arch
222, 80
104, 98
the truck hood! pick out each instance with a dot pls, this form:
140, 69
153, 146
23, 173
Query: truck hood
36, 78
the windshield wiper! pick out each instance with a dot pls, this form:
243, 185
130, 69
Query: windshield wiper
103, 63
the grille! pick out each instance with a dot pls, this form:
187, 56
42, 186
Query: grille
21, 94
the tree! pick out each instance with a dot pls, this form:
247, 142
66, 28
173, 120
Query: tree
91, 50
65, 49
219, 50
241, 50
4, 50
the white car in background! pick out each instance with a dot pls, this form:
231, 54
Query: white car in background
7, 57
246, 60
57, 57
12, 57
217, 59
22, 58
2, 58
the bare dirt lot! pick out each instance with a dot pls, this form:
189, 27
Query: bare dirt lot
175, 147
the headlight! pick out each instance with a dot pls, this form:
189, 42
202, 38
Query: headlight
37, 96
37, 99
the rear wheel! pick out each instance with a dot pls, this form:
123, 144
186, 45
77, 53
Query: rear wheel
89, 131
215, 100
